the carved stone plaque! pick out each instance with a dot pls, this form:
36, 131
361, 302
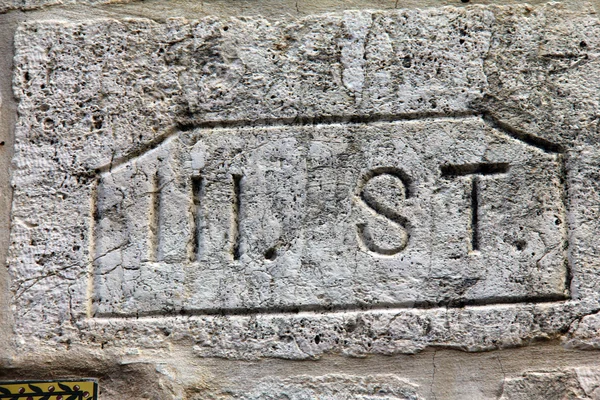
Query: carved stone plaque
403, 214
353, 183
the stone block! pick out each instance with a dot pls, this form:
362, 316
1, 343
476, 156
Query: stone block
579, 382
324, 387
355, 183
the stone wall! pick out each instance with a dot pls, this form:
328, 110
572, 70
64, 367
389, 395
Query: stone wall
328, 200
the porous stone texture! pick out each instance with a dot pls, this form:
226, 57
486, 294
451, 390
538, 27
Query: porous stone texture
576, 383
340, 183
23, 5
242, 71
585, 333
535, 67
323, 387
361, 183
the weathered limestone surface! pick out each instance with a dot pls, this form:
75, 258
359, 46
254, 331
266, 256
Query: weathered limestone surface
535, 70
323, 387
366, 169
234, 70
576, 383
360, 184
10, 5
308, 217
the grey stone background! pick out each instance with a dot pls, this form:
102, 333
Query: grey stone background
439, 373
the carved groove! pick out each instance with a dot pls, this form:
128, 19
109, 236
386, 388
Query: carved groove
532, 140
197, 194
154, 219
367, 239
564, 186
235, 226
475, 169
92, 245
474, 214
451, 170
320, 308
395, 172
363, 230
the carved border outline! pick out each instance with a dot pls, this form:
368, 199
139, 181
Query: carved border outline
542, 144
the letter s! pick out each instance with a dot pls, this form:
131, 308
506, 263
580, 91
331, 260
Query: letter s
383, 191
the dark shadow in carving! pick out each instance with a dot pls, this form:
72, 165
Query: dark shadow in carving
154, 218
197, 193
475, 169
532, 140
235, 226
363, 231
450, 170
458, 302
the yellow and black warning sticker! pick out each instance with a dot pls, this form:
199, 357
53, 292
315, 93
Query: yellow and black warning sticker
83, 389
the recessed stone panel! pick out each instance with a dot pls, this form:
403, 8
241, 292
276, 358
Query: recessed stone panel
355, 183
404, 214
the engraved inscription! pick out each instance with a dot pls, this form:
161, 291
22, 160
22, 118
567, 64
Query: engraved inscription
330, 216
375, 185
197, 192
235, 226
154, 219
475, 170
